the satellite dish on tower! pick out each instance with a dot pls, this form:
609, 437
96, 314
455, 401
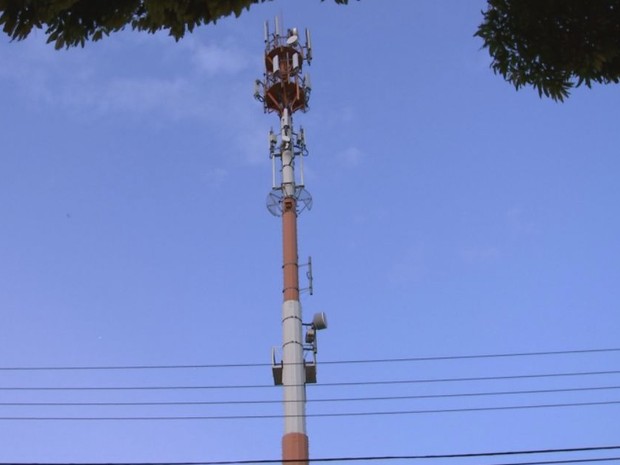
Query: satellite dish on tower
292, 36
274, 202
319, 321
304, 199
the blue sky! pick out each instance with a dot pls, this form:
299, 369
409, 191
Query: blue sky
452, 216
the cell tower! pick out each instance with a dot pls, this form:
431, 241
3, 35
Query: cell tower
284, 91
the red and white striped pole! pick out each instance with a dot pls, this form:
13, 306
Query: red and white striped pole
295, 439
284, 91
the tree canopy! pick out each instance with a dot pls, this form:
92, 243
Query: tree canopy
553, 45
69, 23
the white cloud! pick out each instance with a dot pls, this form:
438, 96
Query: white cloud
126, 95
190, 80
98, 79
214, 59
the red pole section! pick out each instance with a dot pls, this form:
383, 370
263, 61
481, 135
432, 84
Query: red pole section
290, 267
295, 449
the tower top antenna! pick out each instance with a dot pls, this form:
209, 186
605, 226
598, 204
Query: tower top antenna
283, 87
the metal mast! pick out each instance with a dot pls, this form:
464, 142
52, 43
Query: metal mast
284, 91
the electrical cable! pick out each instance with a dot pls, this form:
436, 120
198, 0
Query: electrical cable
345, 383
337, 399
481, 378
475, 356
555, 462
315, 415
385, 457
324, 460
332, 362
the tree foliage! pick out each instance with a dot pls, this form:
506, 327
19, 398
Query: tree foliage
70, 23
553, 45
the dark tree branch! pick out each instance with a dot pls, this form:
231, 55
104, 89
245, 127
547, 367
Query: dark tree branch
553, 45
69, 23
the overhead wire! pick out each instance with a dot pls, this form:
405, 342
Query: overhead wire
313, 386
328, 362
311, 400
384, 458
319, 460
315, 415
320, 400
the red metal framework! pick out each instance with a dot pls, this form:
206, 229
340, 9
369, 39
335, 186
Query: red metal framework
283, 86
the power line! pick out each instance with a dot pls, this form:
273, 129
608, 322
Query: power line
481, 378
333, 362
336, 399
554, 462
314, 386
475, 356
316, 415
324, 460
385, 457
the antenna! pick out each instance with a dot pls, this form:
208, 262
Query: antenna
308, 46
277, 26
